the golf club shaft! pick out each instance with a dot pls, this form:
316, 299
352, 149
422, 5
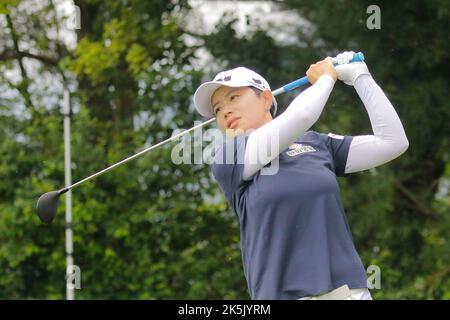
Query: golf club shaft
290, 86
137, 155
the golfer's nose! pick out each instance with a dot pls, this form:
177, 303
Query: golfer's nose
227, 112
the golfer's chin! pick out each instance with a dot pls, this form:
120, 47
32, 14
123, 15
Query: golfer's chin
236, 131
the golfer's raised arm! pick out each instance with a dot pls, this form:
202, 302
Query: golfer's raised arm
301, 114
389, 139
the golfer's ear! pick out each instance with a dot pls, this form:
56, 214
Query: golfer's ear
267, 96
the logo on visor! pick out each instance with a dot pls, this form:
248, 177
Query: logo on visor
259, 82
228, 78
298, 148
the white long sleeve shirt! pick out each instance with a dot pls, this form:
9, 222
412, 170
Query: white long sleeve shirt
366, 151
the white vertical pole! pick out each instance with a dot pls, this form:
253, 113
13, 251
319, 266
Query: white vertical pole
68, 181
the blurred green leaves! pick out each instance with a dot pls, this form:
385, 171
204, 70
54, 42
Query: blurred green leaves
5, 6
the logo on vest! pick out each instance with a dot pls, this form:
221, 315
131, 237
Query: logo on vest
298, 148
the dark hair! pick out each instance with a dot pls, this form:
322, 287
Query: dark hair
258, 93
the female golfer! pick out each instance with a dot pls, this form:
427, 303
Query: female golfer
295, 239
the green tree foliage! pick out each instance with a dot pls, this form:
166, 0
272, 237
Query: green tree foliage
144, 231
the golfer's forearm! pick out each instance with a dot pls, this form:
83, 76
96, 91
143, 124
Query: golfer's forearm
389, 139
301, 114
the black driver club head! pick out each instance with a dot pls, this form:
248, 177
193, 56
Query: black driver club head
47, 205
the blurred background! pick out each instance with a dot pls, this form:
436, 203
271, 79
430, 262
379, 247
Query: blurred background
152, 229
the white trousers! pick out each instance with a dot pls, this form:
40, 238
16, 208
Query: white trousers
343, 293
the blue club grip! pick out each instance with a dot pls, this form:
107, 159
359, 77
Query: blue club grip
295, 84
358, 57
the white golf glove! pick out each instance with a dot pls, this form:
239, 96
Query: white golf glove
349, 72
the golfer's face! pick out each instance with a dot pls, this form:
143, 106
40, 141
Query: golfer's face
238, 109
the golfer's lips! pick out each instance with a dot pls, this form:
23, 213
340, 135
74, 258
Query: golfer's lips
232, 123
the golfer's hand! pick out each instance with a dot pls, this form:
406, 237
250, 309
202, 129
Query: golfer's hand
320, 68
349, 72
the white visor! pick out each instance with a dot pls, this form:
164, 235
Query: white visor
238, 77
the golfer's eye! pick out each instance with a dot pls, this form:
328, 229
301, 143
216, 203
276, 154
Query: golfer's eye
233, 97
216, 111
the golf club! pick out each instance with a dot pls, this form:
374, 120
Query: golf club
47, 204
